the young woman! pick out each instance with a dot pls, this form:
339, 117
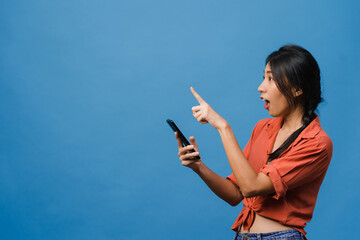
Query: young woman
279, 172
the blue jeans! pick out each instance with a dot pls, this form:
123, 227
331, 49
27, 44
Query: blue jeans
281, 235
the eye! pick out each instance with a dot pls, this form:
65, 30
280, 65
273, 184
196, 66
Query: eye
270, 78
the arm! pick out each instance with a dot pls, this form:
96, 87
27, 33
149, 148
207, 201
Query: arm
222, 187
250, 182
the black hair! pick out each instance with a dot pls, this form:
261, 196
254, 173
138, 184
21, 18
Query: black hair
293, 67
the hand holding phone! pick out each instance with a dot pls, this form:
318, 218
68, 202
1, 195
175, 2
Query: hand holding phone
184, 141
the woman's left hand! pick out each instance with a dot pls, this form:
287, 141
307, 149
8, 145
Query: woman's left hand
205, 114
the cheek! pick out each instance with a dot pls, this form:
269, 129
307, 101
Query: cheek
283, 101
279, 107
276, 94
280, 101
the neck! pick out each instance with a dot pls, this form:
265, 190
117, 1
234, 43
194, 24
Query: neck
293, 120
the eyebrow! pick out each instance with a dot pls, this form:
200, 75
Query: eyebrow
267, 71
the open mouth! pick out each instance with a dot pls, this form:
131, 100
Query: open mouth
267, 104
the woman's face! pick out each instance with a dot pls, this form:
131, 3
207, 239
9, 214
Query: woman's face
275, 101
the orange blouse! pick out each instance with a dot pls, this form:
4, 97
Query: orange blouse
296, 175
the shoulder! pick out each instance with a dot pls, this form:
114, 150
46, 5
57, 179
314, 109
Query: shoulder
323, 141
320, 135
315, 138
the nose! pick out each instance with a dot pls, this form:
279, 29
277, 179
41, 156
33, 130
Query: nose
261, 88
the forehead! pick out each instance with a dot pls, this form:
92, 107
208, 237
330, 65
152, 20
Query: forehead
267, 69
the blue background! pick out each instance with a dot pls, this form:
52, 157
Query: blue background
86, 87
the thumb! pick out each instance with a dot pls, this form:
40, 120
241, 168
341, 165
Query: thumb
193, 142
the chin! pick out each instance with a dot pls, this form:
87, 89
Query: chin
275, 114
278, 111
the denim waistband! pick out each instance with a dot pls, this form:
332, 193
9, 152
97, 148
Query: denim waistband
286, 234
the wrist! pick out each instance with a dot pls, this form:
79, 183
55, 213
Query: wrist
223, 126
198, 168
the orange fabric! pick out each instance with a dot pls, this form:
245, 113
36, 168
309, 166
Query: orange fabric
296, 175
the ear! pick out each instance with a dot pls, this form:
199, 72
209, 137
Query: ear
297, 92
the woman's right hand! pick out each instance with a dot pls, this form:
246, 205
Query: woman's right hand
185, 156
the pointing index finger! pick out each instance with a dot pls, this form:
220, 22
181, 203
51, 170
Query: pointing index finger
197, 96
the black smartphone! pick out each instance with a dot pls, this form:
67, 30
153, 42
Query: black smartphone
184, 141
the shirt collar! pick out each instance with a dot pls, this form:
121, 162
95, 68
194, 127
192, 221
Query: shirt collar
273, 126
